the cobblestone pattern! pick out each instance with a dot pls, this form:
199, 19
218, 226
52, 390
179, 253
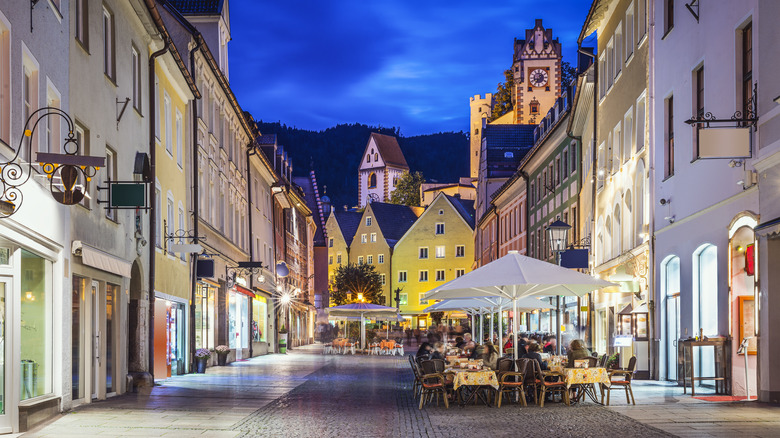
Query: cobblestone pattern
371, 396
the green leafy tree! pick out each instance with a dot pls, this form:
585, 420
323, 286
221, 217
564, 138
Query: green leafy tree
437, 317
407, 191
355, 279
568, 72
502, 99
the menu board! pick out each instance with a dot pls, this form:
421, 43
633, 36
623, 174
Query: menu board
641, 325
747, 326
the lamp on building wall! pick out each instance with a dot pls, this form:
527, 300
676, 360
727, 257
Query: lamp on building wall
68, 173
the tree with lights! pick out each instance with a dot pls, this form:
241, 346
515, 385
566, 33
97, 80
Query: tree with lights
407, 190
356, 279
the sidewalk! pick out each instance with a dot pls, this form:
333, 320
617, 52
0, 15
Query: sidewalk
664, 406
193, 404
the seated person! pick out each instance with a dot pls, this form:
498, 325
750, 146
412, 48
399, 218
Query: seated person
533, 353
476, 352
489, 356
550, 345
468, 344
425, 349
459, 343
508, 341
438, 351
577, 351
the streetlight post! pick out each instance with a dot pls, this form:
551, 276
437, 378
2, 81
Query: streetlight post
558, 236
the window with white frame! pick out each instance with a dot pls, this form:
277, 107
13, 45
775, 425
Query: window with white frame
368, 221
170, 224
640, 124
440, 275
459, 272
629, 31
440, 228
423, 252
460, 251
53, 130
156, 104
381, 258
382, 276
330, 242
641, 17
602, 76
628, 144
109, 62
363, 238
402, 276
360, 260
158, 216
82, 23
423, 301
338, 258
168, 124
373, 237
370, 259
423, 275
135, 73
403, 299
29, 101
179, 140
440, 251
618, 48
330, 260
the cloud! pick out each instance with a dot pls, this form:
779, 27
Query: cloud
412, 64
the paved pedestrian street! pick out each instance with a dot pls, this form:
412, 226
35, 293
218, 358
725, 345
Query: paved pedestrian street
307, 394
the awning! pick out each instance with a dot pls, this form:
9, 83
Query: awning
243, 290
102, 260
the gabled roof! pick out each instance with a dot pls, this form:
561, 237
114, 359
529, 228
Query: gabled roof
389, 150
465, 207
198, 7
348, 222
312, 201
506, 145
394, 220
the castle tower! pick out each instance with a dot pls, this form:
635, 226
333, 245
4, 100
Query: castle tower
481, 109
537, 74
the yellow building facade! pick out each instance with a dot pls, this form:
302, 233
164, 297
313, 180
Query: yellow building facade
437, 248
172, 279
340, 227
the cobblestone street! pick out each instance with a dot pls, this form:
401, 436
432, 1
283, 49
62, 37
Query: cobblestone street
307, 394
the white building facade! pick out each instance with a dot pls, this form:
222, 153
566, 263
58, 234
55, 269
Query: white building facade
380, 167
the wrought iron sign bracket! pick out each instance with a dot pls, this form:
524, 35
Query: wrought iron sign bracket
704, 120
243, 268
690, 6
122, 111
187, 235
583, 243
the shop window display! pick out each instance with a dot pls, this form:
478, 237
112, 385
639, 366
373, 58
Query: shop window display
259, 319
204, 317
36, 345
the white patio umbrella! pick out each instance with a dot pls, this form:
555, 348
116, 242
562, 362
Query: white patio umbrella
515, 276
362, 310
492, 303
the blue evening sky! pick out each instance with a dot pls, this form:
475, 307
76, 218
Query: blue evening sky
413, 64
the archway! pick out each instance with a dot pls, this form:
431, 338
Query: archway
138, 309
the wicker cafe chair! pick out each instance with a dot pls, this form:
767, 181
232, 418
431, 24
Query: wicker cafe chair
592, 361
603, 361
625, 382
505, 364
550, 386
433, 384
512, 381
417, 385
531, 381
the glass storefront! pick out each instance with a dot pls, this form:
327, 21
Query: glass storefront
204, 316
259, 319
176, 347
36, 317
238, 310
77, 340
112, 294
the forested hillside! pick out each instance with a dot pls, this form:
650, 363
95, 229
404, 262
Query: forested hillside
335, 152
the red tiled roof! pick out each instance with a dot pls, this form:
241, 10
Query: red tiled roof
389, 149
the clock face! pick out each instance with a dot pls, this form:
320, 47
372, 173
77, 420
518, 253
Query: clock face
538, 77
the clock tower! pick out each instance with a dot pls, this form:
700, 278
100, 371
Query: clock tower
537, 73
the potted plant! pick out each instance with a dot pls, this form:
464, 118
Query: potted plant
202, 356
283, 340
613, 361
222, 354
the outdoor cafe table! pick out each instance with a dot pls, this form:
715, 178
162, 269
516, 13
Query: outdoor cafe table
475, 381
584, 378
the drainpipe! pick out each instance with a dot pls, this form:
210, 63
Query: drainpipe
594, 163
195, 209
251, 150
654, 352
153, 199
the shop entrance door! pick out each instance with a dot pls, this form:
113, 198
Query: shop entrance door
672, 334
5, 352
240, 311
